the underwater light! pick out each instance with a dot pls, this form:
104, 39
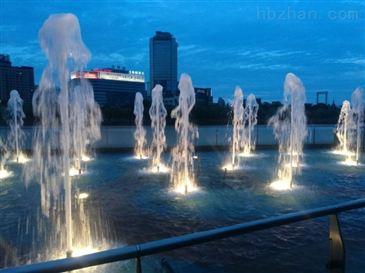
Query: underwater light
281, 185
83, 195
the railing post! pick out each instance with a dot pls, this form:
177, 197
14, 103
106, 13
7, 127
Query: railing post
138, 261
336, 263
138, 265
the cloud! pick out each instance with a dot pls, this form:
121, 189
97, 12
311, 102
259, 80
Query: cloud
255, 58
351, 60
356, 76
109, 58
26, 54
220, 43
279, 53
132, 59
7, 28
191, 50
229, 64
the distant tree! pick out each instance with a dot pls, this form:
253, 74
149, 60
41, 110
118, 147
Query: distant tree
214, 114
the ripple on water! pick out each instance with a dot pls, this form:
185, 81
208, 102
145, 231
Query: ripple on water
142, 208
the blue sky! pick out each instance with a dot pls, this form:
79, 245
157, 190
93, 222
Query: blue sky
222, 44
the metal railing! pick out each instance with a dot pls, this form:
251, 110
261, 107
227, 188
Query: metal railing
336, 260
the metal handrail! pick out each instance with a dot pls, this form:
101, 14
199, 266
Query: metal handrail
173, 243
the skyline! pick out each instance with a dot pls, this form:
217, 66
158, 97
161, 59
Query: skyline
254, 47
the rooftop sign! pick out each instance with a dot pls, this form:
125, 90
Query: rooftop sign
108, 75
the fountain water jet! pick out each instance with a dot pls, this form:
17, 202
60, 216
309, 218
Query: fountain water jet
140, 133
237, 133
358, 111
250, 121
290, 129
182, 170
345, 130
85, 120
15, 121
4, 172
61, 129
349, 129
158, 122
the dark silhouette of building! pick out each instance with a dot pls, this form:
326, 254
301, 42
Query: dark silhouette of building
221, 102
203, 96
163, 62
114, 86
323, 95
20, 78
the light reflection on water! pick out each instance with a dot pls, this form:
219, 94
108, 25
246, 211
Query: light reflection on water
141, 208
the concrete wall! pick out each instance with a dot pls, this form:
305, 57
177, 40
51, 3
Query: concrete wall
121, 137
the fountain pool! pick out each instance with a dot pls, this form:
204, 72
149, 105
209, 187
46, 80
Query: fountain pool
138, 207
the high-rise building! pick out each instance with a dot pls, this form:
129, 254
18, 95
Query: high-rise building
163, 62
114, 87
20, 78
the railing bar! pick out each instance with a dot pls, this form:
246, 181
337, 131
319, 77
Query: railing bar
155, 247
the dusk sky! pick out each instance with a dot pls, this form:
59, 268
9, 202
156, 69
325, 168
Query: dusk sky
221, 43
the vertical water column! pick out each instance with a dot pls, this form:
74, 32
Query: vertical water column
358, 110
65, 120
250, 121
158, 114
238, 126
290, 129
182, 170
15, 121
140, 133
344, 128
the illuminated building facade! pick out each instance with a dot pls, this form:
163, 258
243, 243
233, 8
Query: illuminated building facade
114, 87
